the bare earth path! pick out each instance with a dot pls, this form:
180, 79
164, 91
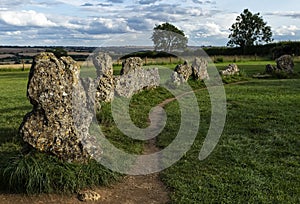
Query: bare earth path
130, 190
142, 189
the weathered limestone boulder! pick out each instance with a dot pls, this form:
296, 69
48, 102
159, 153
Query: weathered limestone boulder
130, 64
61, 115
285, 63
199, 69
231, 69
184, 70
270, 68
136, 80
104, 65
177, 79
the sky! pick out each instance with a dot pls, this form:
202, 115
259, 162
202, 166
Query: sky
131, 22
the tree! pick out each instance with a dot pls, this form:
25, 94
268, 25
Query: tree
167, 37
248, 30
58, 52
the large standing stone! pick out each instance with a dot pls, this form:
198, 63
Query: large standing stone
61, 115
103, 63
285, 63
199, 68
130, 64
104, 66
231, 69
184, 70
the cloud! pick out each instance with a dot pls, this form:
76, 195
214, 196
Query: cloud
87, 4
212, 29
25, 18
140, 24
107, 25
104, 4
290, 30
204, 2
291, 14
148, 1
115, 1
13, 33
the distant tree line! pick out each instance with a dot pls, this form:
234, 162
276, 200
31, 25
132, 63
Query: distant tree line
273, 50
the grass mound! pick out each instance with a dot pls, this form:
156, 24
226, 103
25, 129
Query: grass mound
40, 173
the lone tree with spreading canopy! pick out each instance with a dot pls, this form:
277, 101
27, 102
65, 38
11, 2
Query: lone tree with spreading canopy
167, 37
248, 30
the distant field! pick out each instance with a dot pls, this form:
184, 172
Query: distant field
14, 66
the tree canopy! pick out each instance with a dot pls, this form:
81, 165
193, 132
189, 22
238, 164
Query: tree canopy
249, 29
167, 37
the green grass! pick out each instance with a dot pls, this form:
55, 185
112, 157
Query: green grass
257, 159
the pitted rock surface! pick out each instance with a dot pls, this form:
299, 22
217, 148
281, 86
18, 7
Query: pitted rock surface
104, 65
231, 69
61, 115
177, 79
184, 70
199, 68
130, 64
136, 80
285, 63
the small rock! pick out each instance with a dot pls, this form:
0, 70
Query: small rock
231, 69
88, 195
184, 70
270, 68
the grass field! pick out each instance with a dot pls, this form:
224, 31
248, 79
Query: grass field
257, 159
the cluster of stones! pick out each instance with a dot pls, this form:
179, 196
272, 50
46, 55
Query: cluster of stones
133, 78
284, 63
58, 96
63, 103
231, 69
183, 72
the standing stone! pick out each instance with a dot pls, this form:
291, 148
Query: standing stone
104, 66
231, 69
285, 63
136, 80
199, 68
61, 115
131, 63
184, 70
177, 79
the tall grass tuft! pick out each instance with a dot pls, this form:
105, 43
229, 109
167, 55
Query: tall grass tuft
40, 173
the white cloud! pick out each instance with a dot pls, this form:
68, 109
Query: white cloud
287, 30
13, 33
25, 18
292, 14
212, 29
